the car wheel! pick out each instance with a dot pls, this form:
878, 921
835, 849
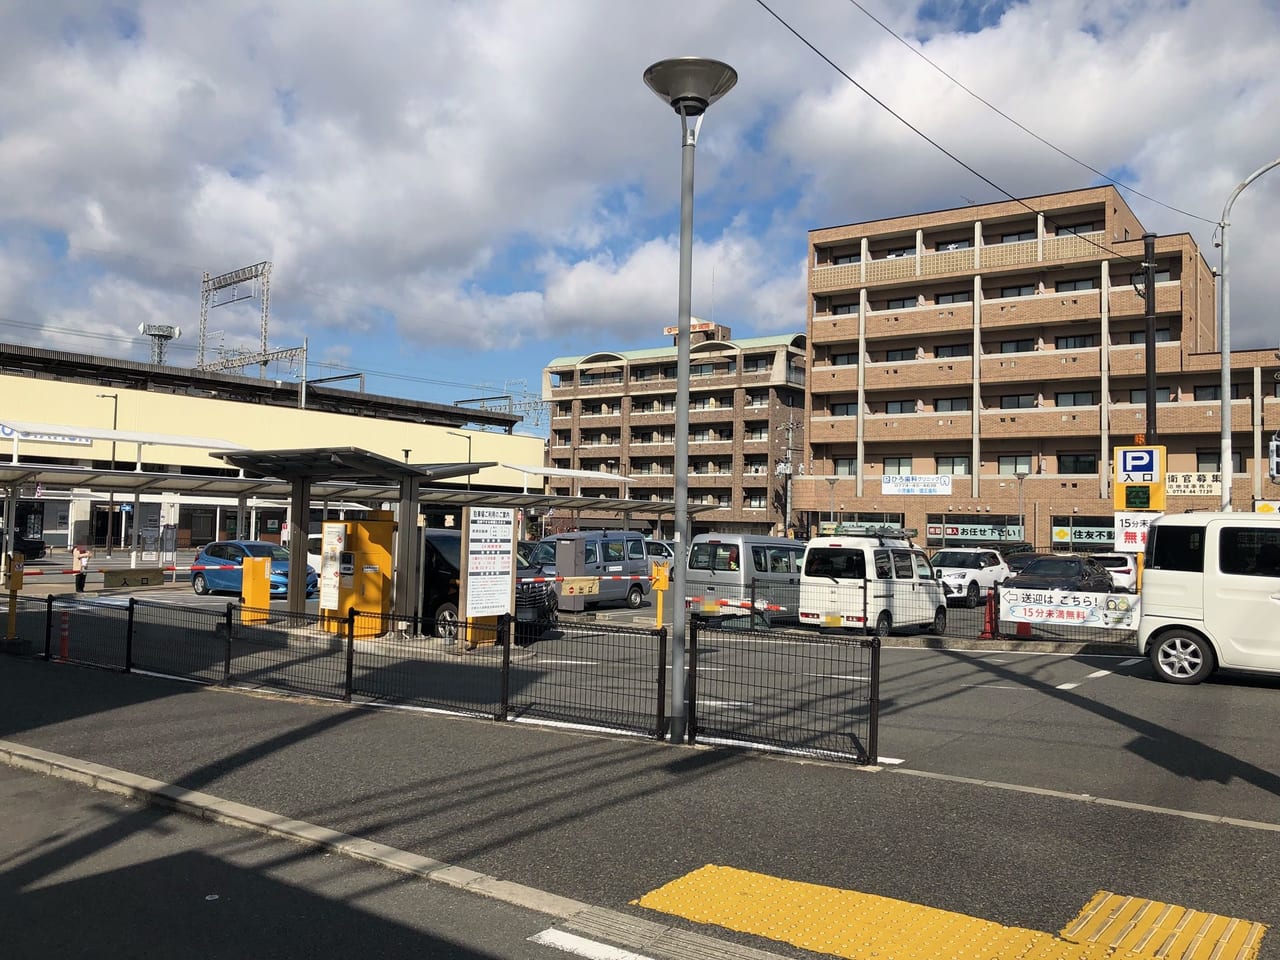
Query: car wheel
939, 625
1180, 656
199, 584
971, 595
884, 623
447, 621
635, 596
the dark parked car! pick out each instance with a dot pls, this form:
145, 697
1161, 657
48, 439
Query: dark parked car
1081, 574
213, 557
1018, 561
442, 559
29, 547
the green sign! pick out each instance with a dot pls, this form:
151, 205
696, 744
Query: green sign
1137, 496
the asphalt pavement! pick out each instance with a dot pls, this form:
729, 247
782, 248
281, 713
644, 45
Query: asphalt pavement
1027, 784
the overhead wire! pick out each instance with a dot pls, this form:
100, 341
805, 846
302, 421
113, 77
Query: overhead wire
1031, 133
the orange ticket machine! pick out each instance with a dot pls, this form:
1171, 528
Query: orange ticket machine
363, 576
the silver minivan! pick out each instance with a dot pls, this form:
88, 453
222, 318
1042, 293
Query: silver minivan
744, 574
1211, 595
617, 557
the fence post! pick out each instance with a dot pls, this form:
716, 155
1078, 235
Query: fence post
873, 704
226, 664
351, 653
504, 638
128, 636
690, 682
48, 628
661, 728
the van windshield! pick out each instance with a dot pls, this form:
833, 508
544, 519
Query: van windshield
837, 563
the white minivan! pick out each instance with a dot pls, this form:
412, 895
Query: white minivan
874, 581
1211, 595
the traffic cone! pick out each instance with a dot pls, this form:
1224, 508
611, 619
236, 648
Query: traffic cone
989, 618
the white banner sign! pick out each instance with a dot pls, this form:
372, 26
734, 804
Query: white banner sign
490, 560
1131, 531
8, 432
1108, 611
1193, 484
916, 485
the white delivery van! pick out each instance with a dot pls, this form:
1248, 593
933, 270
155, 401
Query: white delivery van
727, 572
1211, 595
873, 580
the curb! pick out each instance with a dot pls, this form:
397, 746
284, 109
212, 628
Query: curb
656, 939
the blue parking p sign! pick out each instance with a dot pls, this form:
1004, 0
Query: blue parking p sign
1139, 465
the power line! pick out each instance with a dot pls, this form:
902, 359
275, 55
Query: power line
928, 139
1031, 133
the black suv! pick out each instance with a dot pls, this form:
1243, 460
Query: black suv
442, 560
29, 547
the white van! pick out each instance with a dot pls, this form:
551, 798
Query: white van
874, 581
727, 572
1211, 595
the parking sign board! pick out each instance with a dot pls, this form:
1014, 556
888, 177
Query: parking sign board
1139, 479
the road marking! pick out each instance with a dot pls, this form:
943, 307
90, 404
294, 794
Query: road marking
851, 924
1093, 676
726, 704
574, 663
998, 686
834, 676
1131, 661
582, 947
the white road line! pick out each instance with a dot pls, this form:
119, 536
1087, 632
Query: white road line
834, 676
1066, 686
996, 686
1093, 676
582, 947
1130, 662
574, 663
726, 704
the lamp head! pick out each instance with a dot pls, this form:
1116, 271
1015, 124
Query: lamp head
690, 84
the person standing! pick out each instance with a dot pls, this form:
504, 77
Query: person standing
81, 554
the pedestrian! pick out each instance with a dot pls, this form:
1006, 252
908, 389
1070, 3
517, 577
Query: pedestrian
81, 554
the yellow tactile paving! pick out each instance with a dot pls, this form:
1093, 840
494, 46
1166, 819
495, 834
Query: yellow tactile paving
861, 926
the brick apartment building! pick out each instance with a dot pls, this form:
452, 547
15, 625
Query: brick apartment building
613, 415
999, 348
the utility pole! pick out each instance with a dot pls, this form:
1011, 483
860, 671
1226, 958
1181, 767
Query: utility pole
1149, 295
786, 469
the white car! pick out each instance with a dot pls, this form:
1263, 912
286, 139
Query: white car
1123, 568
967, 573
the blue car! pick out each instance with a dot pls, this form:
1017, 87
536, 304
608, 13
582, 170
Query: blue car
231, 553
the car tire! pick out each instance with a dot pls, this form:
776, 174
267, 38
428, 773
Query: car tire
1182, 656
635, 596
199, 584
939, 625
884, 623
446, 627
972, 595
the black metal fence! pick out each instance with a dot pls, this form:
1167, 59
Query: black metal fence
815, 694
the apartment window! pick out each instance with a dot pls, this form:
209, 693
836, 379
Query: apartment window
1064, 229
1139, 395
900, 406
710, 369
1068, 286
1017, 401
668, 373
1013, 463
756, 364
843, 259
900, 252
951, 404
1164, 335
1025, 345
757, 399
955, 245
843, 309
900, 303
960, 296
953, 465
1077, 398
1017, 237
757, 431
1210, 460
1214, 392
756, 501
564, 408
844, 409
846, 466
953, 350
844, 359
1025, 290
896, 356
897, 466
1162, 276
1077, 463
1077, 341
642, 374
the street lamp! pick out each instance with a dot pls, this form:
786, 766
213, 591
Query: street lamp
832, 483
689, 85
1226, 466
111, 494
1022, 516
466, 437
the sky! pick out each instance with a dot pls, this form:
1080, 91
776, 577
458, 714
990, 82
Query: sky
454, 192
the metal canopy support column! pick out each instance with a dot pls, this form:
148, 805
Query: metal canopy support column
300, 514
407, 540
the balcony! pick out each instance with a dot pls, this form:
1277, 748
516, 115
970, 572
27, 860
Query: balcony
1131, 359
916, 322
1175, 417
917, 426
904, 374
1038, 365
1042, 422
1125, 301
830, 378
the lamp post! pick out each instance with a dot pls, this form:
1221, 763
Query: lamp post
689, 85
466, 437
831, 481
111, 494
1226, 466
1022, 516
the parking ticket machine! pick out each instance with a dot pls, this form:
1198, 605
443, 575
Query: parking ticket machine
364, 574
